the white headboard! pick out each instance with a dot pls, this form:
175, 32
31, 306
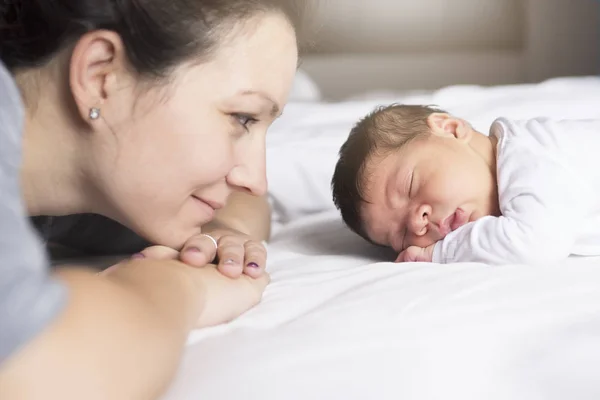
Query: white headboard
360, 45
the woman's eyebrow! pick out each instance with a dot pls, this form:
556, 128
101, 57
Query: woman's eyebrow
275, 109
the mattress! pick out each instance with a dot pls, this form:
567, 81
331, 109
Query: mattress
340, 321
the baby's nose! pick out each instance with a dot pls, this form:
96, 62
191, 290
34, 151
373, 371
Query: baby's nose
421, 220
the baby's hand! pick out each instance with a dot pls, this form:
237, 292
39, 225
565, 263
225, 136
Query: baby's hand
416, 254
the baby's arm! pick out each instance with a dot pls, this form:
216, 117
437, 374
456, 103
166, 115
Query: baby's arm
539, 224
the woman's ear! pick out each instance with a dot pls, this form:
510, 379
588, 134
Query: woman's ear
445, 125
96, 60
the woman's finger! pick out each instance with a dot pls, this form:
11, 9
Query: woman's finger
255, 259
157, 253
198, 251
231, 256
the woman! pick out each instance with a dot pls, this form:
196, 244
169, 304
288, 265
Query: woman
152, 114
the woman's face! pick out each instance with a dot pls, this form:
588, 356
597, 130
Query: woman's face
167, 158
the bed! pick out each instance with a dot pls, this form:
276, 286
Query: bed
339, 320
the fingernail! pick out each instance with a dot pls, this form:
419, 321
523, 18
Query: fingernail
229, 261
253, 265
137, 256
193, 250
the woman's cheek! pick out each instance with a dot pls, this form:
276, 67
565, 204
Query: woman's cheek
216, 160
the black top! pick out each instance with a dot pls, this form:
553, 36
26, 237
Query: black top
90, 234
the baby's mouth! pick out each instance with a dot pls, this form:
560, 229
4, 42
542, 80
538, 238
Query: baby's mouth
445, 227
460, 218
452, 222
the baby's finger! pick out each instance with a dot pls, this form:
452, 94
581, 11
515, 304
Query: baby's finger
255, 259
401, 257
408, 255
198, 251
231, 257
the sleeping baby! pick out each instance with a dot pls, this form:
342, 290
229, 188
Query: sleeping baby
428, 185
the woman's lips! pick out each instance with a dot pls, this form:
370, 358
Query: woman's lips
205, 207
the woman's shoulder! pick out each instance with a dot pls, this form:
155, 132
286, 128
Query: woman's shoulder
11, 120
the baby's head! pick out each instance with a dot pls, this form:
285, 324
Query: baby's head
408, 175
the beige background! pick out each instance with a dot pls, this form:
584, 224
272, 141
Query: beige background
363, 45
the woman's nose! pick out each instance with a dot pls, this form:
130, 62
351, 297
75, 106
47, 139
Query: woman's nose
250, 174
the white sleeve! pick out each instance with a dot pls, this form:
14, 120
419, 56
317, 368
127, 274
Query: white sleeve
541, 214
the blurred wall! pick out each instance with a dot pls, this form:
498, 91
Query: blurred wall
360, 45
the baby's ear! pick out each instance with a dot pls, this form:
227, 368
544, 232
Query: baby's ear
443, 124
463, 130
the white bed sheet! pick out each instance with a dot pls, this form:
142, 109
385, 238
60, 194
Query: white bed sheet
338, 322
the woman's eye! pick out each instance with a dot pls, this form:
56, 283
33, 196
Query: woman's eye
245, 120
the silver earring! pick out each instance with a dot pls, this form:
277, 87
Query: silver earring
94, 113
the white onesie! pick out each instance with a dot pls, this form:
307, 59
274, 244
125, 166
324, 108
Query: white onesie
549, 194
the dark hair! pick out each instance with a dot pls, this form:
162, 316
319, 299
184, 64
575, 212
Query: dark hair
157, 34
384, 130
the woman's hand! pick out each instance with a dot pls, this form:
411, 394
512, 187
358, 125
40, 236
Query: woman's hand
228, 298
224, 298
237, 253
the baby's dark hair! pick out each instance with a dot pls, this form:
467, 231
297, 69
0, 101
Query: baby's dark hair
157, 34
381, 132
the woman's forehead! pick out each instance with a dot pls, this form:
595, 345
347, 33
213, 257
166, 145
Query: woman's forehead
262, 60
